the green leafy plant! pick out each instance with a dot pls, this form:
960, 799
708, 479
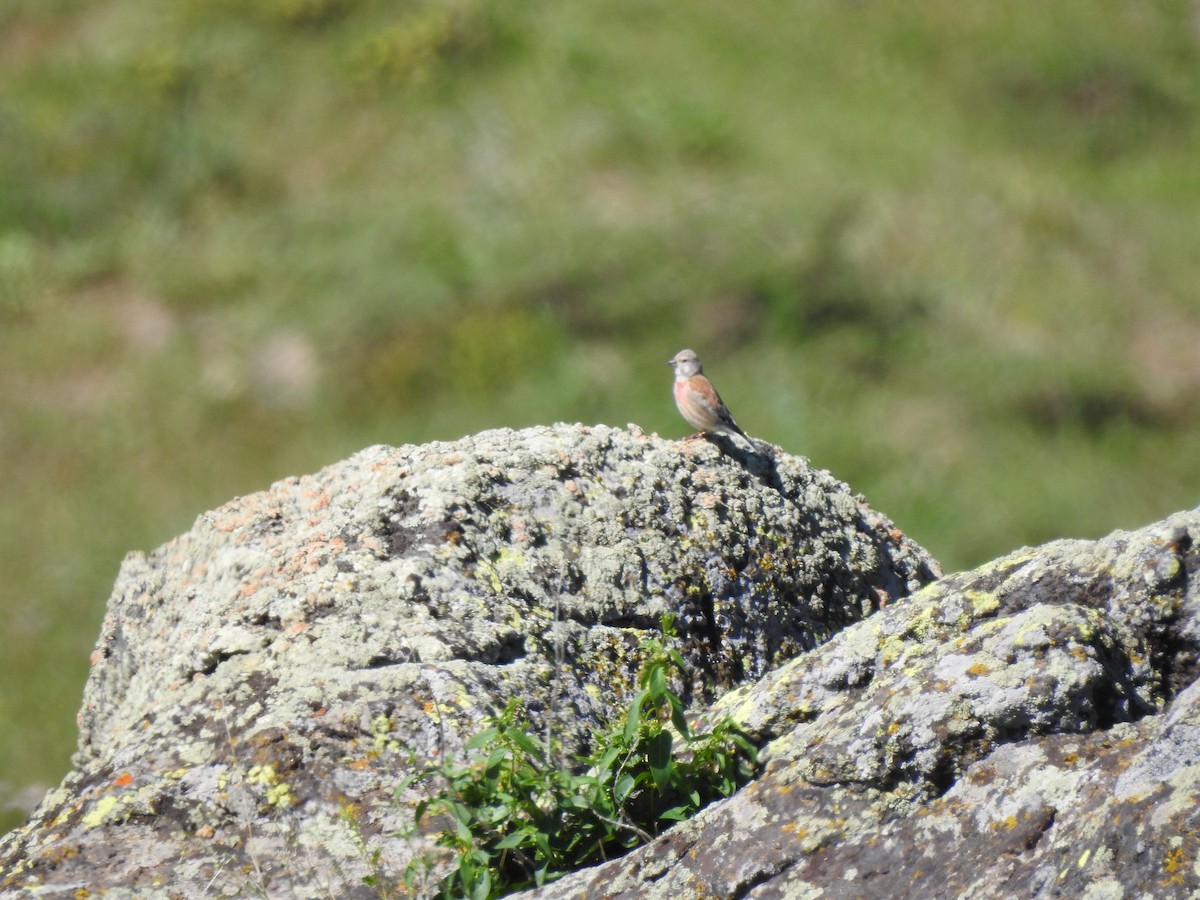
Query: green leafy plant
513, 818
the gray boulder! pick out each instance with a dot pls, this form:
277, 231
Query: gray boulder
263, 683
1028, 729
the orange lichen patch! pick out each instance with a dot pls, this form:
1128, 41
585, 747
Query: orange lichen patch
239, 513
205, 831
250, 588
796, 830
978, 669
359, 764
389, 463
123, 780
312, 555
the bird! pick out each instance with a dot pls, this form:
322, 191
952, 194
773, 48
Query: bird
697, 399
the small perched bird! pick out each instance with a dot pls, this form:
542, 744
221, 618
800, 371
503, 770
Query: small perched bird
698, 401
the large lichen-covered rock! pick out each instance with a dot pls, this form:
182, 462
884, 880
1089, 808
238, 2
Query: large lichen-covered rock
1028, 729
262, 683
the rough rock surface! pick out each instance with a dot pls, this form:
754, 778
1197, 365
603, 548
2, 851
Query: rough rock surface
1028, 729
263, 682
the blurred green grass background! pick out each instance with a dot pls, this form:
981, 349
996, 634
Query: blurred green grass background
948, 251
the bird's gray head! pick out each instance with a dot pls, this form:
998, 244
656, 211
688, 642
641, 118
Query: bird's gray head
686, 364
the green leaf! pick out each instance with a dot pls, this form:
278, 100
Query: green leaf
656, 682
496, 758
516, 839
482, 889
611, 753
483, 738
420, 809
527, 743
624, 787
678, 719
463, 831
658, 756
633, 718
676, 659
677, 813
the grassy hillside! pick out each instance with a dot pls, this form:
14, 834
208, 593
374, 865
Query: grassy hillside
947, 251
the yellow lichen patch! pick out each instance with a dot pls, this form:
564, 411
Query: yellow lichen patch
262, 775
978, 669
919, 621
982, 604
281, 796
103, 807
1173, 862
796, 830
279, 792
381, 726
890, 652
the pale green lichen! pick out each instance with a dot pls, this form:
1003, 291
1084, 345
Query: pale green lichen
381, 727
278, 792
